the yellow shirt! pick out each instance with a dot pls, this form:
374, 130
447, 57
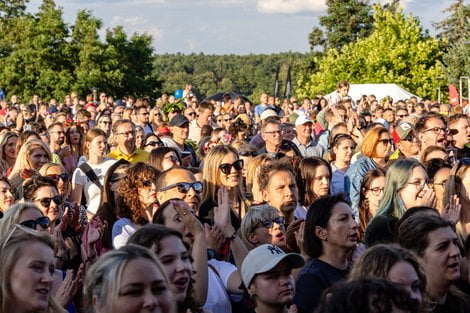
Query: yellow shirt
138, 155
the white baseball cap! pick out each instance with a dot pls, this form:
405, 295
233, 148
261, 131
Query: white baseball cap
264, 258
303, 119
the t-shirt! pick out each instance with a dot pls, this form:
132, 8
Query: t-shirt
123, 229
218, 298
315, 277
337, 180
91, 191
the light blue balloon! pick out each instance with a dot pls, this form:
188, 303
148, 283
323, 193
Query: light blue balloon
178, 93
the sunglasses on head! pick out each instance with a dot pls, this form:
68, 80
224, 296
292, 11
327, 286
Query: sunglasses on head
43, 221
185, 187
46, 202
226, 168
56, 177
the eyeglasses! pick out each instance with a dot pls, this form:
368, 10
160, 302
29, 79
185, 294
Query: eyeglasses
226, 168
246, 153
409, 138
376, 191
386, 141
106, 122
442, 183
172, 158
421, 183
437, 130
227, 119
270, 223
64, 176
274, 132
402, 115
184, 187
144, 113
127, 134
43, 221
154, 143
46, 202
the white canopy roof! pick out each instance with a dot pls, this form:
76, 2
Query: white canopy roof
379, 90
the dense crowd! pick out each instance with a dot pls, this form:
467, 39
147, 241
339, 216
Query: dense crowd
329, 204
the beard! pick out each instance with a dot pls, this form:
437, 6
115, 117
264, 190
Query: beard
288, 207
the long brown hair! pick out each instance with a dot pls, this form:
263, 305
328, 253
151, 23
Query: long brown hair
364, 213
90, 135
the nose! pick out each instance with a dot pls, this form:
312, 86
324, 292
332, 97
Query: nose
150, 301
181, 265
325, 181
415, 295
47, 277
455, 251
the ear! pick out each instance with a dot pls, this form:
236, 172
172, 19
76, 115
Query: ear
253, 239
96, 304
265, 195
320, 232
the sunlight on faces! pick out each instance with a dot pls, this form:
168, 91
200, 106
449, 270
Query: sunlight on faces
321, 183
31, 277
6, 196
53, 211
382, 150
177, 264
192, 198
30, 214
173, 220
170, 160
38, 158
9, 150
274, 235
232, 179
341, 229
441, 177
377, 183
410, 194
344, 150
281, 191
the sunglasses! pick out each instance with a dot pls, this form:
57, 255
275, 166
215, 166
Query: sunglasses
172, 158
46, 202
192, 114
246, 153
147, 183
56, 177
185, 187
43, 221
409, 138
154, 143
386, 141
226, 168
270, 223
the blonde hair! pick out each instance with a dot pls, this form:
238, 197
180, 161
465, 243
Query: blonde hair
253, 217
252, 171
3, 141
211, 175
12, 216
10, 251
103, 279
23, 160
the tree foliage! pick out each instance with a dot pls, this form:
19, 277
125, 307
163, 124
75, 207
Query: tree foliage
249, 75
456, 26
40, 54
345, 22
397, 51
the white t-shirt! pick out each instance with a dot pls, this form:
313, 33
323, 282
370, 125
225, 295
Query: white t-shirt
91, 191
217, 295
123, 229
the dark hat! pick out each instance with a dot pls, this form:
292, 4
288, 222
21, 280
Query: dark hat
179, 120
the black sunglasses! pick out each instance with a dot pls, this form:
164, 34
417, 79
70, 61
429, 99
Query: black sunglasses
154, 143
226, 168
184, 187
56, 177
147, 183
270, 222
46, 202
43, 221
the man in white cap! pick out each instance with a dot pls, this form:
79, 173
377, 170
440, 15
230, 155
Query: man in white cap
304, 140
267, 275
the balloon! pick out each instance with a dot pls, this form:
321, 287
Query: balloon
178, 93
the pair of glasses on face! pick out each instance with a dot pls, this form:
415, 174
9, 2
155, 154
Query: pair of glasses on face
421, 183
409, 138
226, 168
442, 184
147, 183
172, 158
46, 202
43, 221
64, 176
185, 187
154, 144
270, 223
376, 191
386, 141
192, 114
437, 130
402, 115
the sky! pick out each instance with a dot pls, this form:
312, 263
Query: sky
225, 26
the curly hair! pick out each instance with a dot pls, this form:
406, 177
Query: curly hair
128, 201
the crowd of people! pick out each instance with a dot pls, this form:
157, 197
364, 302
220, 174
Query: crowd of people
329, 204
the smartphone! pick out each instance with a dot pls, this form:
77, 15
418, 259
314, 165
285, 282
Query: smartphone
451, 156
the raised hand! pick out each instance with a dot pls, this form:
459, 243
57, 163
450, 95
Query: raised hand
222, 212
214, 237
188, 218
451, 211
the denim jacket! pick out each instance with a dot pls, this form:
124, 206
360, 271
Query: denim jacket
353, 181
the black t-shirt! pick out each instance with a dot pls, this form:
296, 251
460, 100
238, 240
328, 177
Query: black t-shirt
313, 280
380, 230
456, 302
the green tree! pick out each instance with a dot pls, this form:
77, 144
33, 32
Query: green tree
345, 22
397, 51
12, 8
456, 26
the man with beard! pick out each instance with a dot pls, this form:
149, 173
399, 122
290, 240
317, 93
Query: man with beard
56, 140
279, 189
124, 135
460, 129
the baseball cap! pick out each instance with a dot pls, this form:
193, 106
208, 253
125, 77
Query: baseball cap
163, 130
402, 130
179, 120
264, 258
303, 119
267, 113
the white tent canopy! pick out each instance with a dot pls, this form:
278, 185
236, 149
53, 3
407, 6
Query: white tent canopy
356, 91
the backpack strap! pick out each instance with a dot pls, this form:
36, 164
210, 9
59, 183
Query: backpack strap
91, 174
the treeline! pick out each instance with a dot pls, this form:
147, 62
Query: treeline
249, 75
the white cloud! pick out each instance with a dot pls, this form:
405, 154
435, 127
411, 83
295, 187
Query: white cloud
155, 32
131, 21
403, 3
290, 6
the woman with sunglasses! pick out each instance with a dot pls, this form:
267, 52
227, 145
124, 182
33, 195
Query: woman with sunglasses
26, 214
8, 151
27, 272
164, 158
372, 191
223, 169
59, 174
329, 238
406, 185
263, 225
375, 149
7, 197
136, 199
88, 177
151, 141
